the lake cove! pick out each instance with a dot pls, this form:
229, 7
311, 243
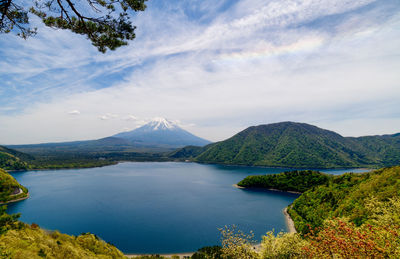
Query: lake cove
152, 207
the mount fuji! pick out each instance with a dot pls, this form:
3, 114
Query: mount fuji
161, 132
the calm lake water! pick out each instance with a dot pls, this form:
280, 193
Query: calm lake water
152, 207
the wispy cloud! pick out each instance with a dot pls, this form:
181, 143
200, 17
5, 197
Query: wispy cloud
250, 62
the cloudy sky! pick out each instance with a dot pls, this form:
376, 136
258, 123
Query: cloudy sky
215, 66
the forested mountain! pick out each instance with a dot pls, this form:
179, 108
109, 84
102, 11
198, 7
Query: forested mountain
188, 152
300, 145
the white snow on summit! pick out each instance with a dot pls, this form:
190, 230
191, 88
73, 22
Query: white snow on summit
161, 124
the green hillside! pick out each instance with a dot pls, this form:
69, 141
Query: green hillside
13, 160
188, 152
300, 145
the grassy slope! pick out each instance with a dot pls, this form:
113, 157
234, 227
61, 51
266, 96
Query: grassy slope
33, 242
300, 145
345, 196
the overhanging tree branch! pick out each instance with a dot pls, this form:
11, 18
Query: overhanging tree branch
110, 29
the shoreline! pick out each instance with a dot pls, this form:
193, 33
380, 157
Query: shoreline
289, 221
181, 255
16, 200
261, 188
237, 186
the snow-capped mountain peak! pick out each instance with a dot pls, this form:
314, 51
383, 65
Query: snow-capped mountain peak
162, 132
161, 124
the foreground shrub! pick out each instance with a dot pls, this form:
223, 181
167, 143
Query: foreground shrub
379, 237
33, 242
208, 252
283, 245
236, 244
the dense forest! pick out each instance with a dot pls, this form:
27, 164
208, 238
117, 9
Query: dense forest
345, 196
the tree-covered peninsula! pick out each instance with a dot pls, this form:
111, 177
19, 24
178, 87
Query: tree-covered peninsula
294, 181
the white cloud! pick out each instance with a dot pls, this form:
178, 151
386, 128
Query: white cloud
130, 118
108, 116
74, 112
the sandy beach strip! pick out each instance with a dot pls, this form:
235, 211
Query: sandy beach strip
289, 221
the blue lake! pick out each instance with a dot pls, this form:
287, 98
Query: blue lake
152, 207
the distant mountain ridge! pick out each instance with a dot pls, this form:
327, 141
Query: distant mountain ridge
157, 136
298, 145
284, 144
